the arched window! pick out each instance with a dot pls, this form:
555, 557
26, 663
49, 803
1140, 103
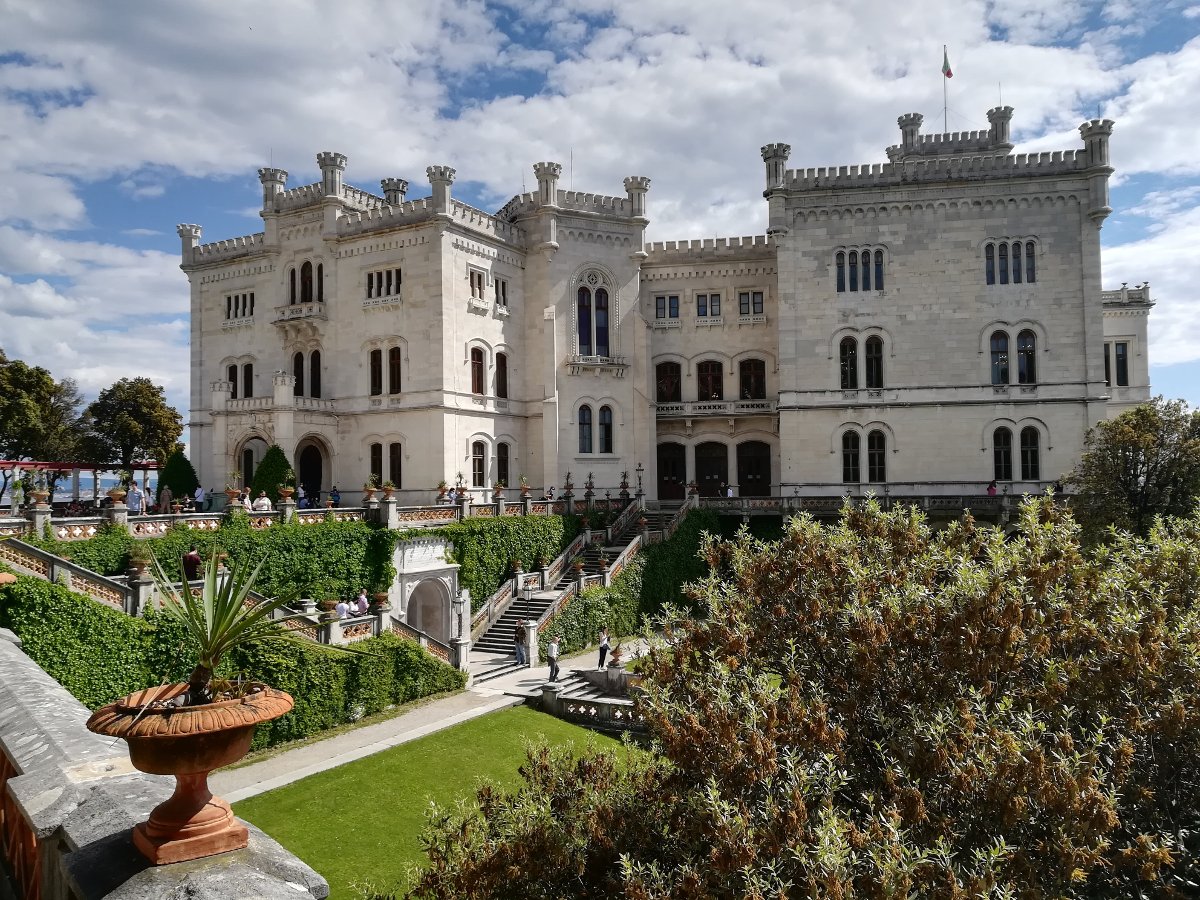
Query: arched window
395, 464
476, 370
298, 374
853, 271
866, 270
989, 263
606, 429
1003, 262
376, 368
477, 462
502, 463
320, 282
710, 379
999, 357
1031, 466
841, 272
306, 282
879, 270
502, 376
668, 378
292, 286
395, 356
1016, 262
873, 360
1002, 454
314, 373
1027, 357
876, 457
850, 467
1030, 271
247, 466
752, 375
601, 322
248, 380
377, 462
585, 322
848, 360
585, 429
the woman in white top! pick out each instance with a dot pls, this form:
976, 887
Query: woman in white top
263, 503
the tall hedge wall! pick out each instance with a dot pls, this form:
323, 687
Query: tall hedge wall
675, 562
100, 654
617, 607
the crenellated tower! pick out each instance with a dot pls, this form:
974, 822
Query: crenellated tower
1095, 134
1000, 118
189, 237
547, 174
440, 179
332, 166
775, 157
273, 181
636, 187
394, 190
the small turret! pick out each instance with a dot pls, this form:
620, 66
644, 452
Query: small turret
1095, 134
547, 178
636, 187
775, 156
332, 166
910, 131
440, 179
189, 238
394, 190
273, 181
1000, 118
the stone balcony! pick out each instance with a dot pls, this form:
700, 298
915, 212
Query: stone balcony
578, 364
291, 312
700, 408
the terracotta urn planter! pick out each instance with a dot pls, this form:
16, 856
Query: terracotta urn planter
380, 599
117, 494
388, 492
368, 493
188, 742
232, 494
287, 492
40, 496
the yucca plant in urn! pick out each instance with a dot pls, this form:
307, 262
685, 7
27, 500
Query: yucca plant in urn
191, 728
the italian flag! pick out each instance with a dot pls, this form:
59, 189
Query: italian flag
946, 64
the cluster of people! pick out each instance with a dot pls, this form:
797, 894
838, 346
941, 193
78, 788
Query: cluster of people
359, 606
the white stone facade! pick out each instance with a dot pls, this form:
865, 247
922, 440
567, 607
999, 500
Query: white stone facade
422, 339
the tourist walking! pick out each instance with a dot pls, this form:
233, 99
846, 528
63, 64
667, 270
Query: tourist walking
134, 500
991, 489
191, 564
198, 498
603, 646
362, 605
165, 499
335, 496
301, 501
520, 637
552, 655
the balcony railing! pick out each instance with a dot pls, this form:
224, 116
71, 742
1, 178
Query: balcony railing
700, 408
312, 310
579, 364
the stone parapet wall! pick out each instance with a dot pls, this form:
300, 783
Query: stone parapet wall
69, 798
910, 171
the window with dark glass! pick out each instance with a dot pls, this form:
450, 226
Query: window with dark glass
999, 357
1002, 468
710, 378
314, 373
502, 375
1016, 263
1026, 357
500, 285
395, 464
395, 356
248, 380
1121, 353
752, 375
866, 270
585, 429
320, 282
708, 306
668, 379
1030, 272
376, 369
476, 371
853, 271
848, 363
584, 306
1002, 256
840, 261
750, 303
606, 429
873, 362
477, 460
231, 375
1107, 365
1030, 463
850, 467
876, 457
666, 306
989, 263
377, 462
702, 306
602, 321
502, 463
306, 282
298, 374
879, 270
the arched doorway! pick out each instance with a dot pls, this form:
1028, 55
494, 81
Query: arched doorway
252, 452
429, 610
754, 469
712, 468
310, 470
672, 470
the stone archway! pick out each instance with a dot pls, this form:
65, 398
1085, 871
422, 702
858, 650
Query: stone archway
312, 469
252, 450
429, 609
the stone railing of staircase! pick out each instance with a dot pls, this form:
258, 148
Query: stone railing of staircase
499, 602
30, 560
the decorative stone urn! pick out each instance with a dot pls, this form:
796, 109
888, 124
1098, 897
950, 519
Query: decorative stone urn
188, 742
117, 494
40, 496
286, 492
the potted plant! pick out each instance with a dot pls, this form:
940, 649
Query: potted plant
380, 598
233, 485
524, 482
287, 489
189, 729
39, 493
567, 485
140, 559
498, 491
388, 489
542, 561
615, 655
516, 567
604, 557
442, 489
577, 565
370, 486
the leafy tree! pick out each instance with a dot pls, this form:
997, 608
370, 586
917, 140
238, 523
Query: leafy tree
179, 475
131, 420
273, 471
39, 417
1142, 464
875, 710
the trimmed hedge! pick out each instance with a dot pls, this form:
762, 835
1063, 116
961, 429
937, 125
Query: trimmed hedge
100, 654
673, 563
617, 607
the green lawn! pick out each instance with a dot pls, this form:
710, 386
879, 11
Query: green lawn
360, 822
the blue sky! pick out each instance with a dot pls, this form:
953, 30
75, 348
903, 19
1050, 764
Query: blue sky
120, 120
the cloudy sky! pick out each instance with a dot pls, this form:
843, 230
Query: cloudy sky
120, 119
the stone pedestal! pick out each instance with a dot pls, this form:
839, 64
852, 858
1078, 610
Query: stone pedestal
287, 510
460, 653
39, 518
550, 691
371, 510
118, 516
388, 517
531, 643
142, 594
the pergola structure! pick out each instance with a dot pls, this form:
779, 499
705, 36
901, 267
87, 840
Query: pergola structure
17, 467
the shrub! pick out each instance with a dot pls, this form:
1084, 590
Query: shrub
675, 562
577, 625
179, 475
272, 472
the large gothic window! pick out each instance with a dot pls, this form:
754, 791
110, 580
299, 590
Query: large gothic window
314, 373
1002, 466
668, 379
298, 374
999, 357
850, 466
306, 282
752, 373
601, 322
606, 429
711, 381
376, 368
585, 321
873, 359
1027, 357
848, 363
394, 360
502, 375
477, 461
585, 429
1031, 465
594, 317
476, 370
876, 457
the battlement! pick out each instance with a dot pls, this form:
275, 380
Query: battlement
481, 221
519, 205
314, 194
756, 245
577, 201
231, 248
917, 170
1128, 296
386, 216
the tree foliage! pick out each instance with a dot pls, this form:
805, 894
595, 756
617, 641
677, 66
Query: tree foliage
179, 475
39, 417
272, 472
874, 710
1142, 464
131, 420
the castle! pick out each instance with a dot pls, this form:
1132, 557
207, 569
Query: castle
933, 322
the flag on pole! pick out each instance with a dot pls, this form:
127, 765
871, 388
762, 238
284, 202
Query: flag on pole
946, 64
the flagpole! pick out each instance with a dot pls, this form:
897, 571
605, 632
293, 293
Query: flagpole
945, 104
